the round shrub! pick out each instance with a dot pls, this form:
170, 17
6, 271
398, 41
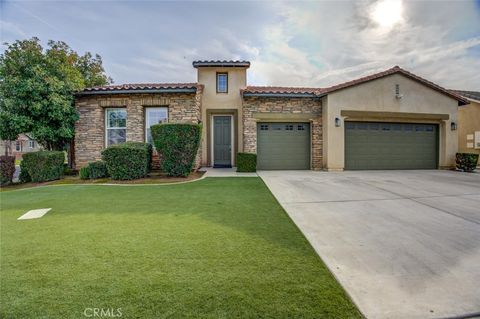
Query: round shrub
467, 162
177, 146
94, 170
130, 160
42, 166
246, 162
7, 169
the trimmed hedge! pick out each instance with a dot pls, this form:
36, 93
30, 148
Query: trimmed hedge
24, 177
7, 169
130, 160
246, 162
177, 146
94, 170
42, 166
466, 161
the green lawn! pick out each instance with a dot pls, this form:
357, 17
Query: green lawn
216, 248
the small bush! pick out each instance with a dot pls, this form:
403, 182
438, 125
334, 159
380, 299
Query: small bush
7, 169
177, 146
246, 162
94, 170
43, 166
466, 161
84, 173
128, 160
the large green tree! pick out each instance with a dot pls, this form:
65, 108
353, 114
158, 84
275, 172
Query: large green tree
37, 89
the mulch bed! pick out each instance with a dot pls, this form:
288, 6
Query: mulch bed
155, 177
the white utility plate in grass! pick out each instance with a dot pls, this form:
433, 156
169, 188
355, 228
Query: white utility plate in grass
36, 213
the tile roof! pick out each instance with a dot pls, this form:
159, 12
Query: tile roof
139, 87
473, 95
280, 90
219, 63
460, 96
266, 90
395, 69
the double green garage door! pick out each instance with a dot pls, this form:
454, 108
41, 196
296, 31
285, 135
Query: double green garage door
368, 145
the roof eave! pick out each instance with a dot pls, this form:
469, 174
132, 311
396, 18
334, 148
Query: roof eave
138, 91
304, 95
472, 100
221, 65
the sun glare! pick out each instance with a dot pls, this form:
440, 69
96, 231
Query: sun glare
387, 12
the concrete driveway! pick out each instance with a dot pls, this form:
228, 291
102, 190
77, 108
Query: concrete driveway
404, 244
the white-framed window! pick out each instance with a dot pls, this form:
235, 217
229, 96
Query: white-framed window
154, 115
222, 82
115, 126
18, 146
31, 144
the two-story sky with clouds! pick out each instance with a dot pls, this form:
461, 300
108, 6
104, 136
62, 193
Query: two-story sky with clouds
308, 43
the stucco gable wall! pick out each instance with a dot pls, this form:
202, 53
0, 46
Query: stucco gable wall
379, 96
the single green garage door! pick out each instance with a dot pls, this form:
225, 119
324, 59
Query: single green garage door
390, 145
283, 146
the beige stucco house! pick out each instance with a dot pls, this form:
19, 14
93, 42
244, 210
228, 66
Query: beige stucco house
469, 123
388, 120
23, 144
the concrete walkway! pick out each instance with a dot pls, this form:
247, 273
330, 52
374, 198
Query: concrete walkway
226, 172
404, 244
33, 214
16, 174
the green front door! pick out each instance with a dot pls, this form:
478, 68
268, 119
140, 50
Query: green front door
283, 146
370, 145
222, 141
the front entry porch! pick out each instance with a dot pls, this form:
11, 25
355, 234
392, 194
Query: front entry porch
221, 138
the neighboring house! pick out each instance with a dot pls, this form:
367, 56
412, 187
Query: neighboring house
23, 144
469, 123
389, 120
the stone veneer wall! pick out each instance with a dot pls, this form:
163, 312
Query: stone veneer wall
286, 105
90, 128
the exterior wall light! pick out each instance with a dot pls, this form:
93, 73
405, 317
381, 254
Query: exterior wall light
337, 122
453, 126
